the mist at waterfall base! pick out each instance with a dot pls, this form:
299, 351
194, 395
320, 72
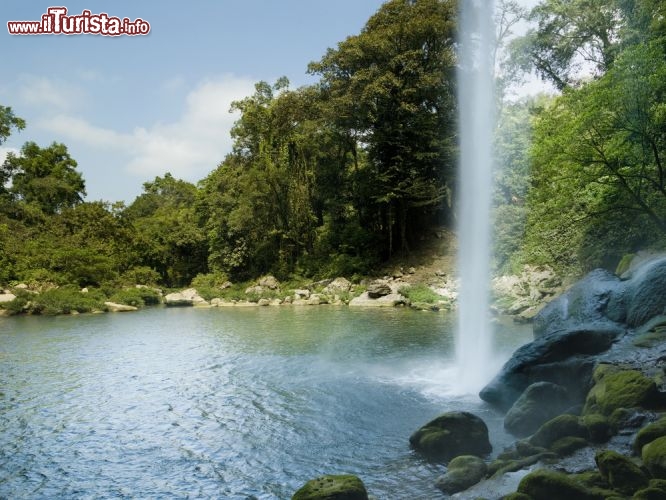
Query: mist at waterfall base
476, 121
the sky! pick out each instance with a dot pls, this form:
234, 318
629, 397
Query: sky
130, 108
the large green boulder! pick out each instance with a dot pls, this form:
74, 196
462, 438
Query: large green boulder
539, 403
622, 474
463, 472
450, 435
654, 457
557, 428
333, 487
621, 389
545, 484
649, 433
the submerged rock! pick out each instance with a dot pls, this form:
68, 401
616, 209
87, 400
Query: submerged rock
333, 487
450, 435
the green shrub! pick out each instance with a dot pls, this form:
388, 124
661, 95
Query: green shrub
65, 300
420, 293
137, 297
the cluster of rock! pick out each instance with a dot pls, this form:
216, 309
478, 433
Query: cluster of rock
267, 292
523, 295
590, 385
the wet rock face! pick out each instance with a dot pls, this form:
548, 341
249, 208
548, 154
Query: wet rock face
573, 332
596, 300
563, 358
450, 435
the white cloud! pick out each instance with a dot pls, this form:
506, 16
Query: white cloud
189, 147
42, 92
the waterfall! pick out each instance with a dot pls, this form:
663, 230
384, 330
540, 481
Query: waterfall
476, 113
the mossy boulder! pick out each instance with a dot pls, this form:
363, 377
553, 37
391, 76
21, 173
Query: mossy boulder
654, 457
539, 403
622, 474
516, 496
333, 487
567, 445
545, 484
655, 491
558, 428
450, 435
463, 472
598, 427
622, 389
649, 433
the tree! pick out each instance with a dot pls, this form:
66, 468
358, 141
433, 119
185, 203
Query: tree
600, 179
571, 36
9, 121
44, 177
392, 88
168, 237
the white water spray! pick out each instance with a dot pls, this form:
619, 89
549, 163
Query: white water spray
476, 112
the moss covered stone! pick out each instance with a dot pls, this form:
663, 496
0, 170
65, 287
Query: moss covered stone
649, 433
452, 434
463, 472
557, 428
623, 389
649, 493
654, 457
598, 427
622, 474
333, 487
516, 496
539, 403
567, 445
550, 485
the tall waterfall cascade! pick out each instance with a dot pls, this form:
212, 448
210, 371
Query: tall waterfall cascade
476, 105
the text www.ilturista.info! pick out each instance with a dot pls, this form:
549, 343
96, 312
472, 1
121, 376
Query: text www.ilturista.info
57, 22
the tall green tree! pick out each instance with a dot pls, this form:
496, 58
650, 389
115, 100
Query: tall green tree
45, 178
168, 237
392, 88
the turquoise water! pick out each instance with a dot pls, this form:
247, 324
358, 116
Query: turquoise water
225, 403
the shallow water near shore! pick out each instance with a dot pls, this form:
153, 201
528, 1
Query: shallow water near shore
226, 403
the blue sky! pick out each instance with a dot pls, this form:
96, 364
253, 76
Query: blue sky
131, 108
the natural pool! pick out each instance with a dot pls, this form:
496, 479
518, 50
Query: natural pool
234, 403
